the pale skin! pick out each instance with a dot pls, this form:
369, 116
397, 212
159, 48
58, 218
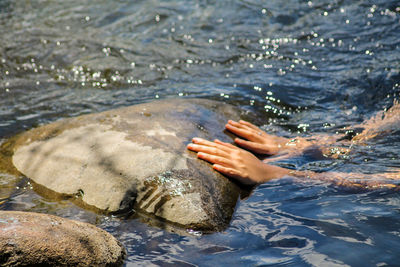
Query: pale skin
245, 167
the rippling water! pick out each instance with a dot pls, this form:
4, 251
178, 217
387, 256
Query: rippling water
300, 67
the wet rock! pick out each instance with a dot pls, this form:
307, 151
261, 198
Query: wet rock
34, 239
136, 157
9, 176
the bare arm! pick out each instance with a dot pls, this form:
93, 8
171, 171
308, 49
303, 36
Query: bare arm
384, 122
248, 169
353, 180
256, 140
243, 166
236, 162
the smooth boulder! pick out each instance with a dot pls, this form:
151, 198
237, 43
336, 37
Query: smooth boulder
34, 239
136, 157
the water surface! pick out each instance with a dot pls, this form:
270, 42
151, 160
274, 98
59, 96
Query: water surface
299, 67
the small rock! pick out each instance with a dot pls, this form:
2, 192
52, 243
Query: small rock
34, 239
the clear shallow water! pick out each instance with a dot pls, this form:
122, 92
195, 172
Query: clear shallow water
299, 67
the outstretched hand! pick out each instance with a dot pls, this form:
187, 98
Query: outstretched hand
260, 142
243, 166
235, 162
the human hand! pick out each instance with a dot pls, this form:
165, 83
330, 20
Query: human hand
260, 142
257, 140
235, 162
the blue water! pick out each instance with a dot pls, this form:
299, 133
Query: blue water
299, 67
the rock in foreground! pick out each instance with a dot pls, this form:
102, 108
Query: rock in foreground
136, 157
33, 239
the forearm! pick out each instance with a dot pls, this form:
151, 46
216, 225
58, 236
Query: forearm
352, 180
274, 172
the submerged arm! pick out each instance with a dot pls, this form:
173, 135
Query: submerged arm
256, 140
243, 166
236, 162
353, 180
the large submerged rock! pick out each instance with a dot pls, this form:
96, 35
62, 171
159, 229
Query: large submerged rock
136, 157
33, 239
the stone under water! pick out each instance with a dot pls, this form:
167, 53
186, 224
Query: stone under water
136, 158
34, 239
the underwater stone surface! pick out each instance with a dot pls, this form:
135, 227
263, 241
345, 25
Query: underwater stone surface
136, 157
34, 239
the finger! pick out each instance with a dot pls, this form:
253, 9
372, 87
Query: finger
237, 130
204, 142
279, 158
247, 144
225, 144
236, 124
248, 134
214, 159
255, 147
207, 149
232, 173
248, 124
243, 126
227, 171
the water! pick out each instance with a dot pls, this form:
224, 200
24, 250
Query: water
300, 67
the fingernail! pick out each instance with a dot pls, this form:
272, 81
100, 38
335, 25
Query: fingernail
196, 139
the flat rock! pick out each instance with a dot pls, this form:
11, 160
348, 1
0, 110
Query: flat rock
136, 157
34, 239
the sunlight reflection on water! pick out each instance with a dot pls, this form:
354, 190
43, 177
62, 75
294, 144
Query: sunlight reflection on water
296, 67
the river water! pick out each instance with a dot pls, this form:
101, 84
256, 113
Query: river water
300, 67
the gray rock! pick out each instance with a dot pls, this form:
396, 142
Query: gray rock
136, 157
34, 239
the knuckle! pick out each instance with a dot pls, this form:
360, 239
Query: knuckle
242, 166
236, 153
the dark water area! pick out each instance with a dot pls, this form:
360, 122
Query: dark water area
297, 67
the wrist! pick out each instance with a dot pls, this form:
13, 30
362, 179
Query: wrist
297, 143
301, 174
275, 172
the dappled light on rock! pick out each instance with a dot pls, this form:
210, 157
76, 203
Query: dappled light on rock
135, 158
